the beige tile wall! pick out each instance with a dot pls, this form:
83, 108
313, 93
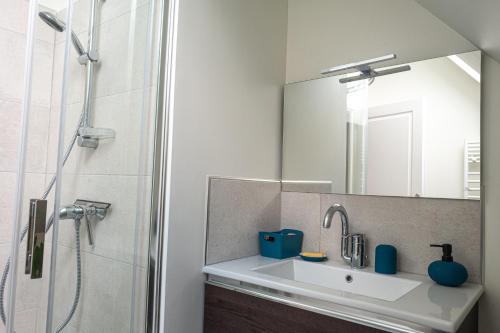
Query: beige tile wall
238, 210
410, 224
302, 212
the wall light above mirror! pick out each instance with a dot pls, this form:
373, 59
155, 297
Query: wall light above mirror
414, 133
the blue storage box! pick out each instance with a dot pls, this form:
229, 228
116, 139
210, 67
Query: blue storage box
281, 244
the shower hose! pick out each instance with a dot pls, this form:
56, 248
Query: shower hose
5, 273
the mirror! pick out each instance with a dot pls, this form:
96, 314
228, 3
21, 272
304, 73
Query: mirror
414, 133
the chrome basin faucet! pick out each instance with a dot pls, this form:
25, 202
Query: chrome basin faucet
357, 257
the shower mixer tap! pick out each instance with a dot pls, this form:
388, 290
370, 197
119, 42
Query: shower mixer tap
86, 209
81, 209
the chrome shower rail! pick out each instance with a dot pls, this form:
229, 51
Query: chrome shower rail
89, 136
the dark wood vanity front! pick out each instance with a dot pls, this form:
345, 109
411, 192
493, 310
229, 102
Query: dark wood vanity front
231, 311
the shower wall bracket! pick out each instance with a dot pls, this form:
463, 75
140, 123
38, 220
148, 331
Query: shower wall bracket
90, 56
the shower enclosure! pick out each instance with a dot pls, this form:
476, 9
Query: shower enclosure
81, 164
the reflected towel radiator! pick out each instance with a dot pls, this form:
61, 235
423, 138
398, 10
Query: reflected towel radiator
472, 170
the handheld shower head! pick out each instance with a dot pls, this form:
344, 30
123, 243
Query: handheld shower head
52, 21
58, 25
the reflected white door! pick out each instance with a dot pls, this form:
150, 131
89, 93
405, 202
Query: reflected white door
394, 150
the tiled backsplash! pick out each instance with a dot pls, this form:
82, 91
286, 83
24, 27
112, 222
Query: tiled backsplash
238, 209
410, 224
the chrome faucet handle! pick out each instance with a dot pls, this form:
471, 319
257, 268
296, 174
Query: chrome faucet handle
359, 259
93, 208
90, 232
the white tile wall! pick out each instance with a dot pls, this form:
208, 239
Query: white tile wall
28, 291
15, 18
109, 11
25, 321
112, 173
122, 51
10, 117
114, 236
105, 300
118, 172
12, 49
13, 23
12, 58
120, 112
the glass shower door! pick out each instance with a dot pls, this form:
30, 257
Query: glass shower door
86, 170
26, 67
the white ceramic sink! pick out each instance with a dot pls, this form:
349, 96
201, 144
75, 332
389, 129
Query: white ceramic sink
403, 299
384, 287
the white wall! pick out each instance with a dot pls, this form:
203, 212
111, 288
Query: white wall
475, 20
450, 101
325, 33
489, 308
230, 68
227, 121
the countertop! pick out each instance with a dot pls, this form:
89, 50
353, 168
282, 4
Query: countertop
430, 305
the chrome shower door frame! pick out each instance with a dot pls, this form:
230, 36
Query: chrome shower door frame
21, 165
159, 217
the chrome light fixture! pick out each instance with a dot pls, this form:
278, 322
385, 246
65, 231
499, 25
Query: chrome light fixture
367, 72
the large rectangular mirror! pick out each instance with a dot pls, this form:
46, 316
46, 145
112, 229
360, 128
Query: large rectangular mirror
413, 133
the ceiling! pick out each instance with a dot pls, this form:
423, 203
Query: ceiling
477, 20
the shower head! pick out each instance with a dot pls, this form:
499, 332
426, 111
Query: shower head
52, 21
59, 25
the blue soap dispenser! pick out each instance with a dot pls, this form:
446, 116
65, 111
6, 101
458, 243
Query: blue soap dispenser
445, 271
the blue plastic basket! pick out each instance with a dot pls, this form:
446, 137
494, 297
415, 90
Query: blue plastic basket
281, 244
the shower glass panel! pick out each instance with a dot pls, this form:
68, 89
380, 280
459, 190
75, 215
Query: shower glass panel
91, 109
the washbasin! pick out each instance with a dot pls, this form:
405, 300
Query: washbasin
344, 279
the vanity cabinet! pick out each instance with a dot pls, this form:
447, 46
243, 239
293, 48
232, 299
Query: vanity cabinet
232, 311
